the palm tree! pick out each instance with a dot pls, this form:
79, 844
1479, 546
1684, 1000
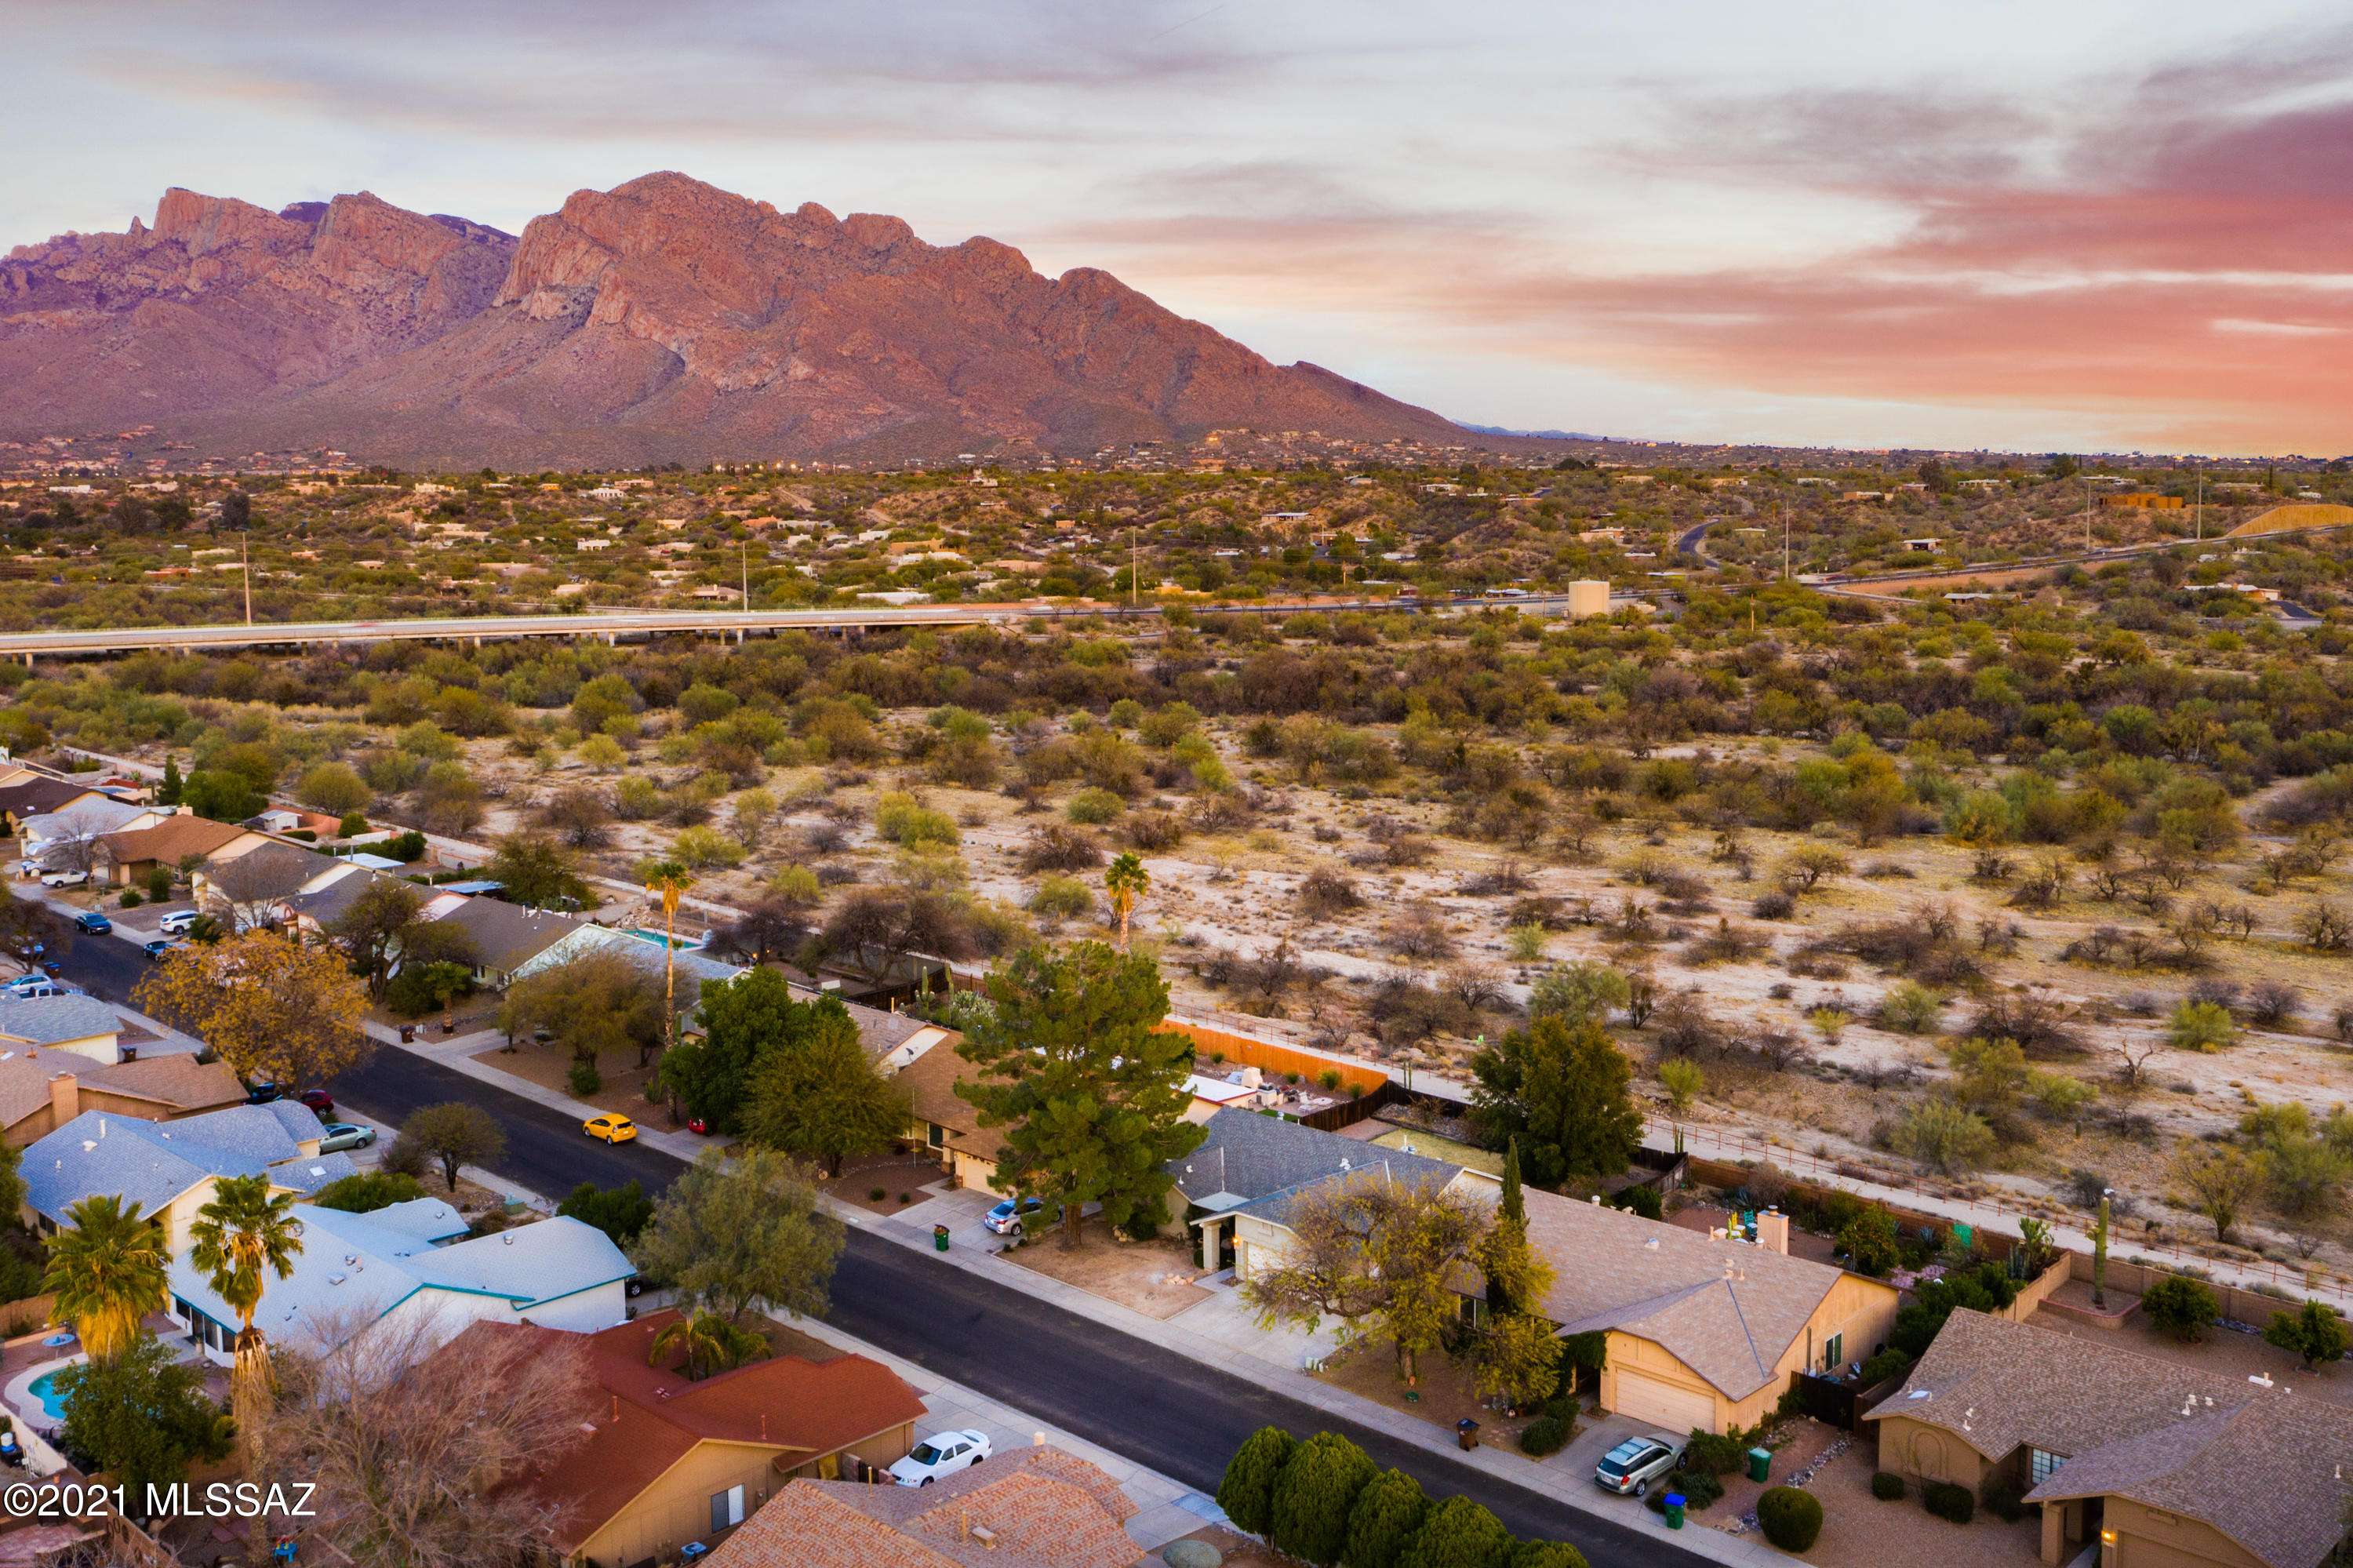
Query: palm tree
669, 881
711, 1343
107, 1273
245, 1230
1128, 881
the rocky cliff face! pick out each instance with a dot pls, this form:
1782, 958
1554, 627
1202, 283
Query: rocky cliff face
664, 319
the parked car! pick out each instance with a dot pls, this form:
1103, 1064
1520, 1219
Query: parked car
177, 922
698, 1124
1006, 1217
262, 1093
941, 1454
345, 1135
1634, 1465
159, 949
96, 924
65, 879
33, 987
610, 1128
318, 1100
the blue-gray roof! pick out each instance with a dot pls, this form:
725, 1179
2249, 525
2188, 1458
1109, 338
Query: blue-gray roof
153, 1162
1259, 1164
354, 1268
47, 1020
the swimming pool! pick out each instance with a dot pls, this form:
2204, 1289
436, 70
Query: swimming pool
45, 1389
685, 944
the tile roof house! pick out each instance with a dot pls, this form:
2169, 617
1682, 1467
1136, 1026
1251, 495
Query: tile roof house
1037, 1508
1701, 1333
2161, 1463
692, 967
38, 795
68, 838
668, 1459
128, 855
415, 1261
1238, 1187
169, 1168
43, 1089
81, 1024
244, 885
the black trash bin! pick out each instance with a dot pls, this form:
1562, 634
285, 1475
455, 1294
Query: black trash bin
408, 1033
1466, 1433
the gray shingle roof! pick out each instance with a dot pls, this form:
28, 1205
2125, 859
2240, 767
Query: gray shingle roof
47, 1020
1728, 1310
2259, 1465
507, 935
151, 1163
1260, 1163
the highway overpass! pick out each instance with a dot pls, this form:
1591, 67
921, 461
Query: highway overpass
614, 625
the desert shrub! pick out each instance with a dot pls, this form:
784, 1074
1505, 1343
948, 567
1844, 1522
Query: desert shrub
2180, 1306
1886, 1363
1910, 1008
1946, 1501
2205, 1026
1946, 1138
1056, 846
584, 1078
1094, 806
1154, 833
1773, 905
1063, 897
1790, 1519
2006, 1500
1696, 1488
1886, 1486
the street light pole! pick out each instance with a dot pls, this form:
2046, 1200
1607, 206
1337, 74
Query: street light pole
245, 559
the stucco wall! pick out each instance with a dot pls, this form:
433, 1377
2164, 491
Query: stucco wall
584, 1311
676, 1508
2149, 1538
1928, 1453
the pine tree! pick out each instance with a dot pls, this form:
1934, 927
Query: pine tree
1386, 1513
1247, 1492
168, 794
1313, 1494
1458, 1533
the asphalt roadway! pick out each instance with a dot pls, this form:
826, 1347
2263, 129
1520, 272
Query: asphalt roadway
1149, 1405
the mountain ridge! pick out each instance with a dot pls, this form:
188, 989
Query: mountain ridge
664, 319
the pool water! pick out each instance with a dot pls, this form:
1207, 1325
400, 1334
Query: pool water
685, 944
45, 1389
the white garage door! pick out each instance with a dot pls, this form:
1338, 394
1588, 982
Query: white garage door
1664, 1405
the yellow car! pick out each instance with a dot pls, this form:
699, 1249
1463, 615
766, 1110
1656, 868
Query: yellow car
611, 1128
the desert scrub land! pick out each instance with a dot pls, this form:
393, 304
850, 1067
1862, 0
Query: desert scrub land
2023, 898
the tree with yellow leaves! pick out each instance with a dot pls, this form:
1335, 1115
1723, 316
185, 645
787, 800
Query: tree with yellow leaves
274, 1010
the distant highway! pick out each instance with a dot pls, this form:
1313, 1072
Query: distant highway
611, 625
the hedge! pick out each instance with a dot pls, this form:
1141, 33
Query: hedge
1887, 1487
1946, 1501
1790, 1519
1716, 1453
1546, 1435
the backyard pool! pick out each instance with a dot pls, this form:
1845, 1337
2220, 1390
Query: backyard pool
45, 1389
685, 944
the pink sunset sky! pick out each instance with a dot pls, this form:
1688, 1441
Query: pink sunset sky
2089, 225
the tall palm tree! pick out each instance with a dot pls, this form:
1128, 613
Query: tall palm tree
244, 1234
1126, 880
669, 881
107, 1273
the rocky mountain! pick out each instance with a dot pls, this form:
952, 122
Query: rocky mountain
661, 321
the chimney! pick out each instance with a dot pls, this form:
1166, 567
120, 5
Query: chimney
985, 1536
65, 1100
1773, 1231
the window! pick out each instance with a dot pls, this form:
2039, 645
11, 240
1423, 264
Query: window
935, 1135
727, 1508
2041, 1462
1834, 1351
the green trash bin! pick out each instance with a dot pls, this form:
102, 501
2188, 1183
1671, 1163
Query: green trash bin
1673, 1510
939, 1238
1760, 1464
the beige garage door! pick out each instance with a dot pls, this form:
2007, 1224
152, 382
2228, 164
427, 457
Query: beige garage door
1663, 1405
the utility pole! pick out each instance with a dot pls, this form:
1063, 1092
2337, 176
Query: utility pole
245, 559
1134, 582
744, 547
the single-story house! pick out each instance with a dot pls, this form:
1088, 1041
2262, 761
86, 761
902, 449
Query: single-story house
40, 794
249, 886
506, 937
1038, 1507
2164, 1465
81, 1024
294, 819
945, 1124
892, 1039
53, 839
1701, 1333
690, 966
312, 915
414, 1263
132, 855
667, 1460
1236, 1189
170, 1167
42, 1089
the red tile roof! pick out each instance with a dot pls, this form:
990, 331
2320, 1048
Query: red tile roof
649, 1417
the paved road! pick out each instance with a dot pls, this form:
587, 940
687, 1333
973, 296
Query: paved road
609, 624
1150, 1404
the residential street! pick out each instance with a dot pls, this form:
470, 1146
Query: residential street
1150, 1404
